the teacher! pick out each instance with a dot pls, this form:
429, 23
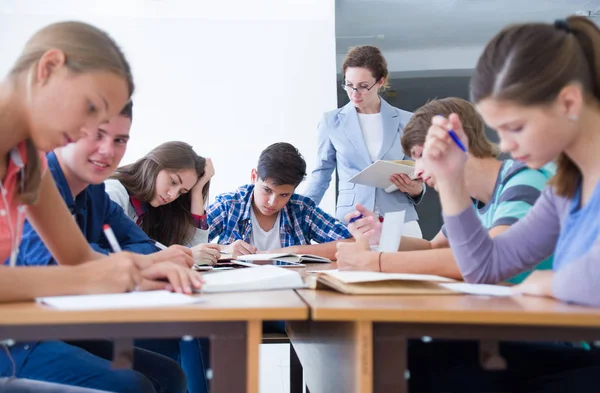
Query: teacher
363, 131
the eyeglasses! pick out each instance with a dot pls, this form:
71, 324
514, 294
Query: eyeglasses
360, 89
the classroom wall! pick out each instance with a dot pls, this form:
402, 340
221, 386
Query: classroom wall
229, 77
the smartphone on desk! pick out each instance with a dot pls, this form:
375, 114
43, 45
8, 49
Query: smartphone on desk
270, 262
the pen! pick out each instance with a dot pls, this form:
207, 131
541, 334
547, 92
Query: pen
159, 245
355, 218
110, 236
457, 141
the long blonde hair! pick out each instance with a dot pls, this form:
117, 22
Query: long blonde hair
86, 49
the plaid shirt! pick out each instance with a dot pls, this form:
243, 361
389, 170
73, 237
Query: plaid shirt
301, 220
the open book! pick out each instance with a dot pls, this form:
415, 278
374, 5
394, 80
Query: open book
375, 283
378, 173
288, 257
260, 278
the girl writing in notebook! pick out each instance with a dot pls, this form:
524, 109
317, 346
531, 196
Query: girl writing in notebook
85, 68
165, 193
538, 86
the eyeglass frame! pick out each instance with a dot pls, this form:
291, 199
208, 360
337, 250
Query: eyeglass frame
356, 89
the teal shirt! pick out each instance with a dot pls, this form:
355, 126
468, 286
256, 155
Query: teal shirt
516, 190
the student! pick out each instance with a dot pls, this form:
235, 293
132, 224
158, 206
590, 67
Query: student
551, 79
93, 85
267, 216
165, 193
503, 192
536, 84
363, 131
79, 170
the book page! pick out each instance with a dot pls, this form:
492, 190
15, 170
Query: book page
358, 277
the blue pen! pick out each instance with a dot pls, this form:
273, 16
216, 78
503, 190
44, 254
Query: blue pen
355, 218
457, 141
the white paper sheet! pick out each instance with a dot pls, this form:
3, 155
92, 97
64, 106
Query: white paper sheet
119, 300
391, 232
480, 289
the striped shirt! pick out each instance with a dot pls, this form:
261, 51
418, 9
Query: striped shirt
302, 221
515, 192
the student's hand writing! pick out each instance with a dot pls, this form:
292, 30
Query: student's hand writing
356, 256
413, 188
116, 273
206, 253
368, 226
240, 247
538, 283
441, 155
178, 278
180, 255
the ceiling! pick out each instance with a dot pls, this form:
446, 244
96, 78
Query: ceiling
420, 24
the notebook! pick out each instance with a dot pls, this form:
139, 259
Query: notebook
260, 278
119, 300
378, 173
288, 257
375, 283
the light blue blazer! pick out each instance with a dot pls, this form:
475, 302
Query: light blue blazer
342, 146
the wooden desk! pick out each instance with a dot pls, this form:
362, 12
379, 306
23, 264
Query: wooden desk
232, 321
358, 343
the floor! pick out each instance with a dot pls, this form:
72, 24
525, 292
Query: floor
274, 368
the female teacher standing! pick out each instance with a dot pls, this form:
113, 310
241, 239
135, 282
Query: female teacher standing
363, 131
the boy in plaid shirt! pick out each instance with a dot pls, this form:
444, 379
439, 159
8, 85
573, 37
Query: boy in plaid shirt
267, 216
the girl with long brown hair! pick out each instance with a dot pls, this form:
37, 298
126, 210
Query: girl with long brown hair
165, 193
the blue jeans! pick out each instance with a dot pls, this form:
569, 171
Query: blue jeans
190, 356
453, 367
60, 362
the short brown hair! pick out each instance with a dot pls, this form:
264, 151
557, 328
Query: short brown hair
531, 63
473, 125
369, 57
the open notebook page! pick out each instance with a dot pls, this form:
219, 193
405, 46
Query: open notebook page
119, 300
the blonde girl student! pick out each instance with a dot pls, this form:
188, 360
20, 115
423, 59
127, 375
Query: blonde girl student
70, 76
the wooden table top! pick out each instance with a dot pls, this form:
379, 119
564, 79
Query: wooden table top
448, 309
218, 307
